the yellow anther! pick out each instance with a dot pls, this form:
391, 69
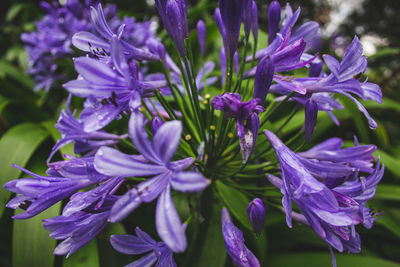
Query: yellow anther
205, 102
212, 127
230, 135
188, 137
207, 96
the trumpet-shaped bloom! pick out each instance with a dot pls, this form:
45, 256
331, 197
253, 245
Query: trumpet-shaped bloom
76, 230
234, 243
158, 252
41, 192
334, 206
72, 130
155, 161
246, 115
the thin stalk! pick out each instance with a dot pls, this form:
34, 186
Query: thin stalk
242, 64
272, 109
252, 60
228, 74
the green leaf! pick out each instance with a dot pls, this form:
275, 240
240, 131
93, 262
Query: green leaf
324, 259
386, 104
7, 69
236, 202
388, 192
107, 254
3, 103
390, 219
13, 12
390, 162
86, 256
212, 249
55, 134
32, 245
17, 146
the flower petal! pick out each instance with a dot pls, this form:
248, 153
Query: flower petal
188, 181
168, 223
112, 162
166, 140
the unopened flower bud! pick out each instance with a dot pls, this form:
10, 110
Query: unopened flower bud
263, 78
254, 20
201, 35
231, 14
274, 17
256, 214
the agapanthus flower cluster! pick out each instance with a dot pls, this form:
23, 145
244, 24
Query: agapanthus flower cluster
188, 129
52, 40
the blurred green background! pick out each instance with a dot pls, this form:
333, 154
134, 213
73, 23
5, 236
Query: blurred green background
27, 134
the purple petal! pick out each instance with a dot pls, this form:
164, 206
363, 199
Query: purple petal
96, 72
167, 139
311, 113
144, 192
112, 162
99, 22
372, 91
353, 61
86, 40
145, 261
131, 245
168, 223
188, 181
139, 138
118, 58
332, 64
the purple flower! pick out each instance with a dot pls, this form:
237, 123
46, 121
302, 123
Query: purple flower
76, 230
155, 161
231, 14
274, 17
311, 113
330, 207
256, 214
174, 16
288, 48
72, 130
99, 44
52, 40
243, 112
117, 88
263, 78
98, 199
254, 20
158, 252
41, 192
234, 243
201, 35
247, 16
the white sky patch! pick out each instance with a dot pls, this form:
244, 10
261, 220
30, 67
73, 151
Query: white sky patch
341, 9
150, 2
371, 42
